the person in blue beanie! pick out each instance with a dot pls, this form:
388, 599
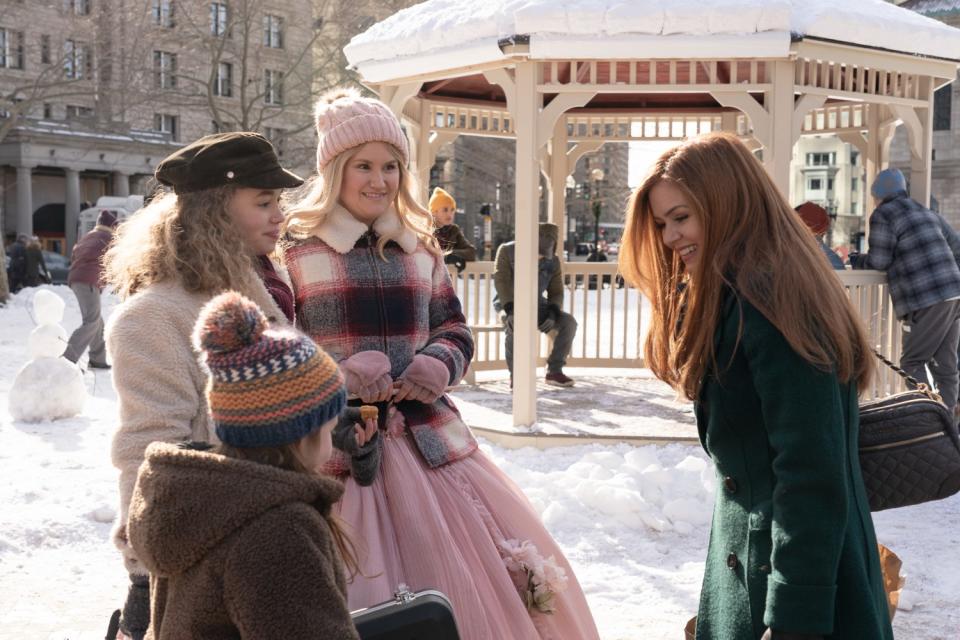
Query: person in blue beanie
920, 253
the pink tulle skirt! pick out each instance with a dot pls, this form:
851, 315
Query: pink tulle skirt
467, 530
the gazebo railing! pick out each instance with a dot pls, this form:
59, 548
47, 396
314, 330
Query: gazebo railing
613, 320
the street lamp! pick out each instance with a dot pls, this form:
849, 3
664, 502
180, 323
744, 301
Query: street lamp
571, 221
596, 176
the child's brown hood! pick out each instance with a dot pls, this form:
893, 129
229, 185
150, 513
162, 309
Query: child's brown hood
186, 502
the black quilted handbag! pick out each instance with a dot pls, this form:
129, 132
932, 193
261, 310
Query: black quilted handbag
909, 447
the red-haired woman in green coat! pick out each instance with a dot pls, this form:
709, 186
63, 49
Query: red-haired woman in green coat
750, 322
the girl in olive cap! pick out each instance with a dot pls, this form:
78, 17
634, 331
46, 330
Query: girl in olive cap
211, 232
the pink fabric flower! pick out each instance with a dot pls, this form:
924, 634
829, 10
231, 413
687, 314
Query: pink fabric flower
538, 579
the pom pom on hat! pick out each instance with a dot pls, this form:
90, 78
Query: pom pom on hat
227, 323
440, 198
268, 386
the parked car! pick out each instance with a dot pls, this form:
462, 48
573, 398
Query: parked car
58, 266
581, 251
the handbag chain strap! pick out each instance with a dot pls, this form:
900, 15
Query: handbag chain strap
921, 387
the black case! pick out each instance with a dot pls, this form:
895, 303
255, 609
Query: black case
424, 615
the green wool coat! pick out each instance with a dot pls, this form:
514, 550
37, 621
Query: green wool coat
792, 545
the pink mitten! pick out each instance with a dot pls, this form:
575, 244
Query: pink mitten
428, 373
367, 374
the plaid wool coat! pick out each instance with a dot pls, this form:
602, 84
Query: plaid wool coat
349, 300
918, 250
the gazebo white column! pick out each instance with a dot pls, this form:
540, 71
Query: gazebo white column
524, 106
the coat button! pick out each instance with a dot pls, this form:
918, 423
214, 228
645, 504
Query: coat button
764, 568
732, 561
730, 484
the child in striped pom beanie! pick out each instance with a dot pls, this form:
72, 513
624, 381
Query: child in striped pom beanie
240, 539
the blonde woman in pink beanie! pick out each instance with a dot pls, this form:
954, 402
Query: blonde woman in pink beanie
372, 289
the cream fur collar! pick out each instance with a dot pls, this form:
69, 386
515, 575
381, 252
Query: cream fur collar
341, 230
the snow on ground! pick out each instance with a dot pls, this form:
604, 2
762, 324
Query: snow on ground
634, 521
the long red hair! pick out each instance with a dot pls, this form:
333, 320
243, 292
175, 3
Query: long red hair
754, 243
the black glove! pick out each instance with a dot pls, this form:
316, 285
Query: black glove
547, 317
455, 260
365, 460
858, 260
136, 610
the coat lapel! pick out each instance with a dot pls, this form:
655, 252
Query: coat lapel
341, 230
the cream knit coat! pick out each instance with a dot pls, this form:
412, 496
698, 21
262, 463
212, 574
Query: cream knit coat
159, 382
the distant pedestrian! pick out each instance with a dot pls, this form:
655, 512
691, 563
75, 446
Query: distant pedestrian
456, 249
35, 272
919, 252
86, 282
549, 295
17, 271
818, 221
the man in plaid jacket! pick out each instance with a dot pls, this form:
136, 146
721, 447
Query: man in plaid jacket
920, 253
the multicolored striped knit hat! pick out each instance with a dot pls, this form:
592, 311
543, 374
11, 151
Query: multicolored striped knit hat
267, 387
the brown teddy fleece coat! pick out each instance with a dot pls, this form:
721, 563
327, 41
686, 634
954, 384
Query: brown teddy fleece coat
237, 549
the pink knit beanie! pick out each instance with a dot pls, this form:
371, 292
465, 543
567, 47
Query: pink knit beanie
345, 120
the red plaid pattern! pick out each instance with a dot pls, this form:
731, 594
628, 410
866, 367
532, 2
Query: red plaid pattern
403, 306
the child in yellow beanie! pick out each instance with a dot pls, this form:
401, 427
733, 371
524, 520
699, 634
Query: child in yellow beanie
456, 249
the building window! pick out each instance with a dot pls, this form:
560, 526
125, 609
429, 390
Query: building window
164, 70
223, 84
942, 105
829, 184
854, 157
166, 123
163, 13
854, 185
47, 111
44, 49
273, 87
821, 159
273, 32
276, 137
814, 184
75, 111
218, 18
77, 61
11, 49
77, 7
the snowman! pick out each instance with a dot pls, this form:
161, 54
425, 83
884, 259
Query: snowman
48, 387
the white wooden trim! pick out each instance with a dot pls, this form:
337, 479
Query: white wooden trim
525, 107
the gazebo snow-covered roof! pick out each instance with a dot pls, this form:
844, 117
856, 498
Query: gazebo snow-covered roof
443, 33
563, 77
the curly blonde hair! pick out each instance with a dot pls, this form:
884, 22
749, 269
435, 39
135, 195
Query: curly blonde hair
188, 237
322, 194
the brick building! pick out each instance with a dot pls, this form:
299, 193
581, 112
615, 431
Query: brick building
103, 89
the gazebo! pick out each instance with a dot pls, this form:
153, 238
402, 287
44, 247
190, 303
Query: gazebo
563, 78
